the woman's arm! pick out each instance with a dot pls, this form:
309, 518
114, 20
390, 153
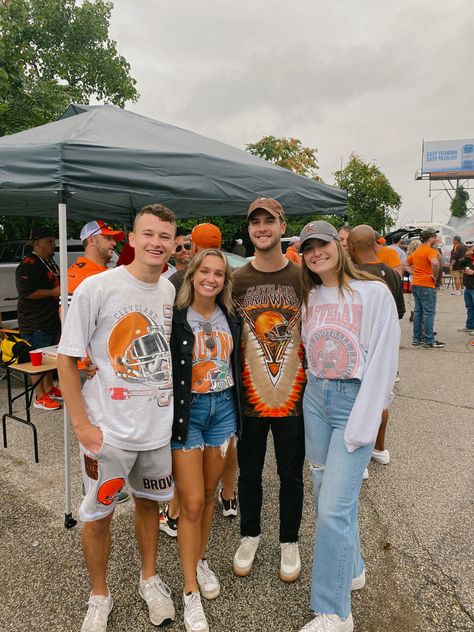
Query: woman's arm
380, 332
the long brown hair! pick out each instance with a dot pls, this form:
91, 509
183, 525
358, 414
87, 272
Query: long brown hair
345, 271
186, 292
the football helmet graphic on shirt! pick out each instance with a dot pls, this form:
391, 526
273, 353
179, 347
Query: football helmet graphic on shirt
139, 352
272, 327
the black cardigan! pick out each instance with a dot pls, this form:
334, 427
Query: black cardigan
182, 341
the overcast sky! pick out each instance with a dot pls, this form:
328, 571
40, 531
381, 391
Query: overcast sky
364, 76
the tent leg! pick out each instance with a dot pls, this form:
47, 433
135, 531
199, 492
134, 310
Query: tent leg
69, 521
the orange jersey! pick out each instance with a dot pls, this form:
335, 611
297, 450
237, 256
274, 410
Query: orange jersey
80, 270
420, 260
389, 257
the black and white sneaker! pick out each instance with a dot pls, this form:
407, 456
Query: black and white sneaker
416, 343
167, 524
434, 345
229, 507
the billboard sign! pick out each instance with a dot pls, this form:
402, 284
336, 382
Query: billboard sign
448, 156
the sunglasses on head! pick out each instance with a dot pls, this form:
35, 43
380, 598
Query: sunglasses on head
186, 246
207, 329
101, 228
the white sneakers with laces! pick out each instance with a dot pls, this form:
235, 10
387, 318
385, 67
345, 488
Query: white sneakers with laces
208, 582
98, 611
194, 617
329, 623
158, 599
290, 562
245, 555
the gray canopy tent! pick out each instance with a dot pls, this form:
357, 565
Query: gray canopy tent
104, 162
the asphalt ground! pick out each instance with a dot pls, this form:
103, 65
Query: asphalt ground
416, 521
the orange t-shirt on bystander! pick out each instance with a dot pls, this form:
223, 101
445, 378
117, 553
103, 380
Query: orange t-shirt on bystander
420, 260
389, 257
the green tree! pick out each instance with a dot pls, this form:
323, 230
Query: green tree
52, 53
288, 153
459, 202
370, 196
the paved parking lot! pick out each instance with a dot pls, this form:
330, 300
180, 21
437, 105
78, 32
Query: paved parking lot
417, 522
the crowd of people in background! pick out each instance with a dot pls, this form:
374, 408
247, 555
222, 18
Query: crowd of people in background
191, 365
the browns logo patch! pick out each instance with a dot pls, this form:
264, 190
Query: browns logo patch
92, 467
107, 492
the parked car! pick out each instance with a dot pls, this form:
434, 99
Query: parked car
11, 254
235, 261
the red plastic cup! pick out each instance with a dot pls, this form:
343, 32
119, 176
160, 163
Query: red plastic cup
36, 358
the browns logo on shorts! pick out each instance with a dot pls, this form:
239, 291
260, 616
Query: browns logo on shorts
108, 491
92, 467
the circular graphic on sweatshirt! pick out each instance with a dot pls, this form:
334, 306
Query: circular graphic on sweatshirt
333, 354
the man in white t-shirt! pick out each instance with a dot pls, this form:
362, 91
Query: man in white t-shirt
123, 416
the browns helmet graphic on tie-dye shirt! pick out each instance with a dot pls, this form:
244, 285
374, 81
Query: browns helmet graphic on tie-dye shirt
273, 376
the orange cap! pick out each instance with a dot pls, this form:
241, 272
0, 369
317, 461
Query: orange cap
206, 236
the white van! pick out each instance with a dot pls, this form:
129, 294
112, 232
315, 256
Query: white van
11, 254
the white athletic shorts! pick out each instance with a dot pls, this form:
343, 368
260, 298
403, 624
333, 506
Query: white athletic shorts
148, 474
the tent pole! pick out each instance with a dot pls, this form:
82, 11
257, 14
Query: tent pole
69, 521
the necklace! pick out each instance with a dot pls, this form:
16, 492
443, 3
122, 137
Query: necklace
205, 315
50, 265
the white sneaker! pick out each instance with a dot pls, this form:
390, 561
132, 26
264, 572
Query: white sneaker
158, 599
290, 562
208, 582
98, 612
381, 456
245, 555
359, 581
365, 476
329, 623
194, 617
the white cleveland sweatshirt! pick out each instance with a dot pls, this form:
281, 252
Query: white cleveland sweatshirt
356, 337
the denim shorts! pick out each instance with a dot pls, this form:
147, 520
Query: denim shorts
212, 420
39, 339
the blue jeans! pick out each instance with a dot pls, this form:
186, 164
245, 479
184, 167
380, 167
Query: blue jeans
469, 303
39, 339
337, 479
425, 309
212, 420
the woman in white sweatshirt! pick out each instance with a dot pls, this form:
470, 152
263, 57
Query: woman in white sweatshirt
351, 336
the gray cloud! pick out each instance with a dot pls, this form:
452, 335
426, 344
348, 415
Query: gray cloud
343, 76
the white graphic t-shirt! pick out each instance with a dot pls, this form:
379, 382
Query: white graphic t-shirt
124, 325
355, 337
331, 331
212, 371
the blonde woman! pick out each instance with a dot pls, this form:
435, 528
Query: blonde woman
351, 334
205, 345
